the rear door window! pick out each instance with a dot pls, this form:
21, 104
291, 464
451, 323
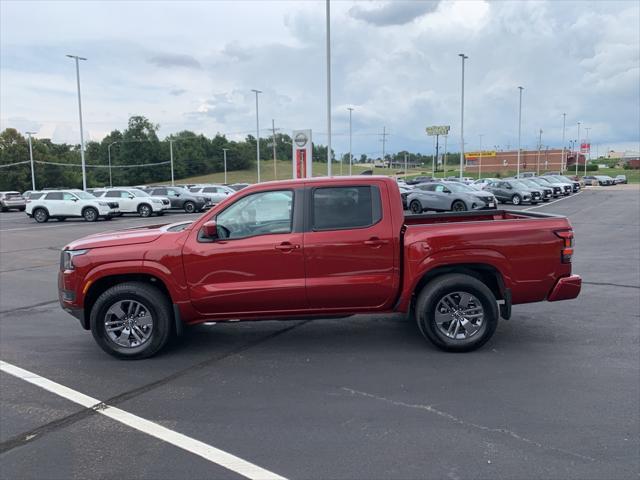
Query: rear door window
54, 196
337, 208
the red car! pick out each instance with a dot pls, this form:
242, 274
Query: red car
322, 247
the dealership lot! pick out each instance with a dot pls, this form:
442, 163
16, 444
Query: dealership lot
554, 394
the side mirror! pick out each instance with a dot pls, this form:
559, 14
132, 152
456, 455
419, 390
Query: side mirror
130, 196
509, 187
446, 190
210, 229
74, 199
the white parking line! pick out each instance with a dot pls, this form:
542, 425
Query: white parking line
555, 201
85, 224
208, 452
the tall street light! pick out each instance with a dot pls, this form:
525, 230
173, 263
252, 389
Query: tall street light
109, 154
328, 15
350, 138
588, 157
480, 160
578, 142
224, 152
519, 131
84, 172
562, 163
33, 173
257, 132
463, 57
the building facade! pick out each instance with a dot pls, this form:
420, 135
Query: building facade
547, 160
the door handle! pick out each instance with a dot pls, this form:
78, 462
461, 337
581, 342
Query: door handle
286, 247
375, 242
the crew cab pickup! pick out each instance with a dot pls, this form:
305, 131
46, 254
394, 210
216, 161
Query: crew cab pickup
321, 247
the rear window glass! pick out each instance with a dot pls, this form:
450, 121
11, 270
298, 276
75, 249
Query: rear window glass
35, 196
345, 207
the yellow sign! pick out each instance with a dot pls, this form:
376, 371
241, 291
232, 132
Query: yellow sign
470, 155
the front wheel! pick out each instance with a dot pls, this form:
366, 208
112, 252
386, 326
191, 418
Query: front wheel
415, 207
189, 207
457, 313
131, 320
90, 214
516, 199
41, 215
458, 206
144, 210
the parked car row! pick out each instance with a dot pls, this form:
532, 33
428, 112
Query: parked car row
96, 203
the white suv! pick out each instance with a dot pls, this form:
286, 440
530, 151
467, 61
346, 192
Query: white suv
215, 193
133, 200
62, 204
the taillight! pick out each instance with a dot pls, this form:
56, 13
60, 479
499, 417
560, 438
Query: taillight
567, 249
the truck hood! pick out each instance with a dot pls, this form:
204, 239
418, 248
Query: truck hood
130, 236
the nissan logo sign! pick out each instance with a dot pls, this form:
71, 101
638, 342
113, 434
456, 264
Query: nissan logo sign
301, 140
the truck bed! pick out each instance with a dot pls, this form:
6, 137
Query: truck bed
474, 216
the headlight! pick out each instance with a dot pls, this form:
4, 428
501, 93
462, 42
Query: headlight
155, 200
66, 258
200, 199
103, 204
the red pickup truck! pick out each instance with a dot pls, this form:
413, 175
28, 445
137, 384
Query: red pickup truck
322, 247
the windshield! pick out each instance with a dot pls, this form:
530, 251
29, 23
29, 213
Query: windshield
139, 193
83, 195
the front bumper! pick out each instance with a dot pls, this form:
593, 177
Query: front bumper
566, 288
67, 298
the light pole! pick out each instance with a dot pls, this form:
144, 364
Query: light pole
273, 128
562, 163
350, 140
578, 149
171, 154
539, 149
109, 152
257, 133
33, 173
519, 132
463, 57
328, 15
444, 160
480, 159
84, 172
224, 152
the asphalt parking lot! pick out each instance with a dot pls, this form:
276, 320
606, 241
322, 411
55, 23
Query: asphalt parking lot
554, 394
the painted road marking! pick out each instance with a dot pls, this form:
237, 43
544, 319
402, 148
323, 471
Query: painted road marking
208, 452
85, 224
555, 201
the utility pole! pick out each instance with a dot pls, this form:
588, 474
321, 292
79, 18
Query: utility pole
384, 135
464, 57
562, 160
480, 159
33, 173
539, 149
328, 15
224, 153
578, 142
519, 131
444, 161
273, 127
435, 161
84, 170
257, 133
171, 154
350, 139
109, 154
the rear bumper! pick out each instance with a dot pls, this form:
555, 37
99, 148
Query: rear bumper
566, 288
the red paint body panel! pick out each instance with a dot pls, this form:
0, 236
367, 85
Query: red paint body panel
340, 272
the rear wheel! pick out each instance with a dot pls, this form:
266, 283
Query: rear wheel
457, 313
144, 210
458, 206
90, 214
189, 207
41, 215
415, 207
131, 320
516, 199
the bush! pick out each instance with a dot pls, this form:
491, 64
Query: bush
592, 167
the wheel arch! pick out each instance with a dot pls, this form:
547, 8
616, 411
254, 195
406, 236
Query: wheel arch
486, 273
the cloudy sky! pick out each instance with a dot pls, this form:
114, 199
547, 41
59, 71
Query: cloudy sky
192, 65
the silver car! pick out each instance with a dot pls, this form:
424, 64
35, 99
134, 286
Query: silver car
215, 193
449, 196
12, 200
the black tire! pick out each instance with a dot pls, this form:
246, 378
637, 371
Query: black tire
415, 206
189, 207
61, 219
108, 217
4, 209
21, 209
458, 206
144, 210
159, 308
437, 290
160, 214
90, 214
516, 199
40, 215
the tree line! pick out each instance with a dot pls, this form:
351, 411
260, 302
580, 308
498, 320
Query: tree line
138, 144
